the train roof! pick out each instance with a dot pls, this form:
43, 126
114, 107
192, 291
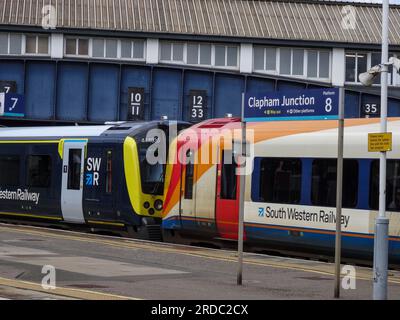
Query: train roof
120, 129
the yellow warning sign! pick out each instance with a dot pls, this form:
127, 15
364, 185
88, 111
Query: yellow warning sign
378, 142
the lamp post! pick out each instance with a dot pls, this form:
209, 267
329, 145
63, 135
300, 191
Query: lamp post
380, 272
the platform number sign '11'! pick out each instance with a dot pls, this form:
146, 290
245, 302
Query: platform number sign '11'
198, 105
135, 103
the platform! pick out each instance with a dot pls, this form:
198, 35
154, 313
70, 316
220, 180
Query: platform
94, 267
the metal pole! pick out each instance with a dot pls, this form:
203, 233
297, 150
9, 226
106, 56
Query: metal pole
382, 223
241, 199
339, 193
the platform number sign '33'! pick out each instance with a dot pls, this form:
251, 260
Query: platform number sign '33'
198, 105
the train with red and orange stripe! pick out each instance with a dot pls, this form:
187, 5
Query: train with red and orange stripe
290, 187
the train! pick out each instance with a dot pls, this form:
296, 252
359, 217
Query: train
290, 187
99, 178
92, 177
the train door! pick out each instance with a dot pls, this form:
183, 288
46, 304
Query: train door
187, 201
72, 180
227, 201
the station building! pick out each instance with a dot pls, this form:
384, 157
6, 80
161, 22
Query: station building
92, 61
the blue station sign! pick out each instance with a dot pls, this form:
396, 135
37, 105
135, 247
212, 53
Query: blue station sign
309, 104
12, 105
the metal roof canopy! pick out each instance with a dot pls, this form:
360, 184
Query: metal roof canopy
257, 19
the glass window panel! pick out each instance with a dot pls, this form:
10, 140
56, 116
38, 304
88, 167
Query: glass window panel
280, 180
111, 48
205, 54
232, 57
220, 56
361, 63
228, 176
126, 49
375, 60
312, 63
30, 45
43, 45
392, 185
138, 49
98, 48
298, 62
270, 54
3, 43
166, 51
70, 46
259, 58
10, 169
323, 189
15, 44
39, 171
83, 47
350, 67
74, 169
285, 61
178, 52
192, 53
324, 64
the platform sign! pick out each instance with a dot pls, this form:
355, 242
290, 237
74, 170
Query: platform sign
198, 105
135, 104
379, 142
370, 110
12, 105
8, 86
309, 104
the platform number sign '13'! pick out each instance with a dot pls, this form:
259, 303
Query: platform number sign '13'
198, 105
135, 103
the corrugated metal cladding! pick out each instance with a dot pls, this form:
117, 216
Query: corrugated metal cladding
295, 20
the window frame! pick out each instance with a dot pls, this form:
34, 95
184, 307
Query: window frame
305, 63
76, 46
28, 175
36, 54
260, 197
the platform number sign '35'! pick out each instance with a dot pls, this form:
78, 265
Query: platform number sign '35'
135, 104
198, 105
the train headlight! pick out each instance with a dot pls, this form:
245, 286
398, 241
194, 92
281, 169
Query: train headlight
158, 205
146, 205
151, 211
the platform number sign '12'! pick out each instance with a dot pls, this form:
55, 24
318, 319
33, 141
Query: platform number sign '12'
135, 103
198, 105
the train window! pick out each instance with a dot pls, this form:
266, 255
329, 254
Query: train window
189, 177
9, 168
39, 171
392, 185
323, 189
228, 176
109, 172
74, 171
280, 180
152, 175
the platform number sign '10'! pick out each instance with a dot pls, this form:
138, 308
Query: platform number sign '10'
198, 105
135, 103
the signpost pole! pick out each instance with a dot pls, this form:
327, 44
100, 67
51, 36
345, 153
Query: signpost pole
339, 194
241, 199
382, 222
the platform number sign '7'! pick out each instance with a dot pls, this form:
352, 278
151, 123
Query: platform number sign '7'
198, 105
